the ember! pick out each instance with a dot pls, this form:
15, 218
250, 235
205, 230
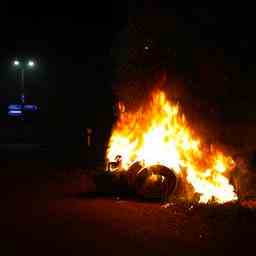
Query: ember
158, 134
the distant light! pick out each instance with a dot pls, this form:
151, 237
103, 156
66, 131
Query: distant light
15, 107
31, 63
16, 63
20, 107
15, 113
146, 48
31, 108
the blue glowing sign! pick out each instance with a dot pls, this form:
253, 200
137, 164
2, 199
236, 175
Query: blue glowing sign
31, 108
15, 113
15, 107
19, 109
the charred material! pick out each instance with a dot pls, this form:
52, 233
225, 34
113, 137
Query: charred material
156, 182
115, 165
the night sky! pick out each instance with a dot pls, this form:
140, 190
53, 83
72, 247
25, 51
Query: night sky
84, 51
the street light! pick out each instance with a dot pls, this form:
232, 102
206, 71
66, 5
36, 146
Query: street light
31, 63
16, 63
22, 66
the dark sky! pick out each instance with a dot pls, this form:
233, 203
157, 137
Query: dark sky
72, 43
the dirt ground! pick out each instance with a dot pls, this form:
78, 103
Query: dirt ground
46, 210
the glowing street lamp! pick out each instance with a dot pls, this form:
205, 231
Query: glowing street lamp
21, 66
31, 64
16, 63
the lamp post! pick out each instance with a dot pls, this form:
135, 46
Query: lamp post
22, 66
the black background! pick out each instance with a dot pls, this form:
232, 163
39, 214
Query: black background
73, 43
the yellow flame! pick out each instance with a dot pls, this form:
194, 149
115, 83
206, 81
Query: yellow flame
157, 133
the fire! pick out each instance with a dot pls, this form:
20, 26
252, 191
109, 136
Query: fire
158, 133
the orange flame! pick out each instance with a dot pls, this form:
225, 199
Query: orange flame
157, 133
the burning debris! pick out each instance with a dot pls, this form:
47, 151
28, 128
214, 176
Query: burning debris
158, 152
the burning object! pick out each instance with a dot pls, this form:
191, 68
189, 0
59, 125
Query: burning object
157, 137
155, 182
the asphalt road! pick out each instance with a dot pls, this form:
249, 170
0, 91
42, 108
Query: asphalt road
45, 211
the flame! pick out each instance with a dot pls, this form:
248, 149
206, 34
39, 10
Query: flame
158, 133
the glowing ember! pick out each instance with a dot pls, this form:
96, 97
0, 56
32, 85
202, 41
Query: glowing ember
157, 133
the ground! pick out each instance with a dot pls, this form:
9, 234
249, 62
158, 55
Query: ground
45, 210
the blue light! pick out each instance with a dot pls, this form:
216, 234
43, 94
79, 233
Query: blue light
19, 109
30, 108
14, 107
15, 113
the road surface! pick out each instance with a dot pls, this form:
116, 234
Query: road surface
45, 211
